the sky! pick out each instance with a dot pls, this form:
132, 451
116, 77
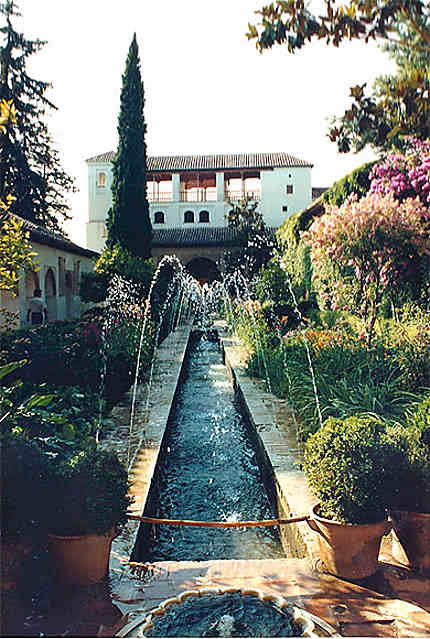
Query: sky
207, 88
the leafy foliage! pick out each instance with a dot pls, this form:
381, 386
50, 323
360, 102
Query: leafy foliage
15, 249
355, 469
355, 183
25, 487
16, 252
398, 105
72, 353
88, 494
290, 23
351, 380
257, 240
359, 250
414, 495
93, 287
117, 259
129, 223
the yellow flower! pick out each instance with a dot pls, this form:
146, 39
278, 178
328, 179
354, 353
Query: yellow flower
7, 114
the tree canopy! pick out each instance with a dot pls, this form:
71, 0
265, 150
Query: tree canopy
290, 23
15, 249
30, 169
129, 223
399, 104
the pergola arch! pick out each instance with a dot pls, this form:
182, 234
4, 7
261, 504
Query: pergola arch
203, 269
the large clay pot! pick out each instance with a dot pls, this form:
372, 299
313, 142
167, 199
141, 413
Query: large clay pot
82, 560
13, 551
411, 539
348, 550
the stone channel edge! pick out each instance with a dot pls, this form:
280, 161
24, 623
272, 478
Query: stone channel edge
274, 432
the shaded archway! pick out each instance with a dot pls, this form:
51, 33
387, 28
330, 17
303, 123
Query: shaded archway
69, 292
203, 269
31, 283
51, 295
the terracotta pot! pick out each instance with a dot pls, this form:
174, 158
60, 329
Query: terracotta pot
81, 560
411, 539
13, 552
348, 550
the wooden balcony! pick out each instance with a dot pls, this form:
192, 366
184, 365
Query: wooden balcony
236, 196
199, 196
160, 197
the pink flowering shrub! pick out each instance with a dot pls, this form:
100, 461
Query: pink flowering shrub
405, 175
362, 248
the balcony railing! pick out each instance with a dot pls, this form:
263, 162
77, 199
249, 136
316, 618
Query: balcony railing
235, 196
202, 196
198, 196
160, 197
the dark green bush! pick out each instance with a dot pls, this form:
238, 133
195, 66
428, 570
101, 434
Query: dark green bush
416, 491
93, 287
88, 494
118, 260
25, 486
355, 469
357, 182
420, 420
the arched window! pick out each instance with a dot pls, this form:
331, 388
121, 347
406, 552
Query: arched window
189, 217
204, 216
101, 180
159, 217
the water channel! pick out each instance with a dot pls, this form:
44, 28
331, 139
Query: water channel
209, 472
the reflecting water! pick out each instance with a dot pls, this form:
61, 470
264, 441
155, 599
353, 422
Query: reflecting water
226, 615
210, 473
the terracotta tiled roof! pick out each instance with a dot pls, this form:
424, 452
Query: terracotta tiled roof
42, 236
196, 236
170, 163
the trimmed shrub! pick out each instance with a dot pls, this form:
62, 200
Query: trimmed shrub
24, 494
355, 469
415, 496
88, 494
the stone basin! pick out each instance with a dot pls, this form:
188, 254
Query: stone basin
226, 612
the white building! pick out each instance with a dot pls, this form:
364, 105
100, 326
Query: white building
194, 192
60, 266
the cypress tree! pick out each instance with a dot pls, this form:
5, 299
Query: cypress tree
30, 169
129, 223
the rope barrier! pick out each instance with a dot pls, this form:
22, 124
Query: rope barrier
218, 524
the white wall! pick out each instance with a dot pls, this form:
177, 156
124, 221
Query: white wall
274, 196
273, 199
60, 307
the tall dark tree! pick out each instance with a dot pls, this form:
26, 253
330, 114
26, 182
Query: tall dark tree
129, 223
30, 169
